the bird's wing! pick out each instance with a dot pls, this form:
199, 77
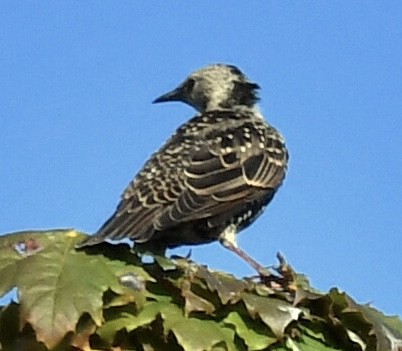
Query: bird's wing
199, 176
234, 167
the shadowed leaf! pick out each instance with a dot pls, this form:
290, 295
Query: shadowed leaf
194, 302
275, 313
255, 337
129, 320
227, 286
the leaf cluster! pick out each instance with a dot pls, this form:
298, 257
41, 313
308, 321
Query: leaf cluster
111, 298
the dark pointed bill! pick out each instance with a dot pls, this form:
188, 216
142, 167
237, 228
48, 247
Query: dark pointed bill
174, 95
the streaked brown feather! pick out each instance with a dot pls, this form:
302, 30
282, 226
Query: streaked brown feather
213, 167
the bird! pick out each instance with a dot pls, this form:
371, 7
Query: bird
212, 178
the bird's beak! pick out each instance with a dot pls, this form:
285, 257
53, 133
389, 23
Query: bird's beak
174, 95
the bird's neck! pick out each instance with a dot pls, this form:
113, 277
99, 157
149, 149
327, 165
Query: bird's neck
254, 109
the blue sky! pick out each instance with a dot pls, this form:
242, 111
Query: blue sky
76, 121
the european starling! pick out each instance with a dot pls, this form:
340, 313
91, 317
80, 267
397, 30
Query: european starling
212, 178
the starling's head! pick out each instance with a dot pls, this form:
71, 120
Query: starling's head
214, 87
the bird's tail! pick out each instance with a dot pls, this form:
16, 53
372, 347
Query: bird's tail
89, 241
98, 237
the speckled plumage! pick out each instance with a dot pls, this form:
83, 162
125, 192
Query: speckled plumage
219, 170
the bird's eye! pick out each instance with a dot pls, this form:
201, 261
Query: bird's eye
189, 85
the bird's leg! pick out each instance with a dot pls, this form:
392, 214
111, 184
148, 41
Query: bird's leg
228, 239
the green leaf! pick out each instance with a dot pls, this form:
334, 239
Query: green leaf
195, 334
276, 314
57, 284
165, 263
130, 321
308, 344
388, 329
9, 258
229, 339
229, 288
194, 302
255, 337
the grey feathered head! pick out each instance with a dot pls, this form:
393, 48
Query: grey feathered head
213, 87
